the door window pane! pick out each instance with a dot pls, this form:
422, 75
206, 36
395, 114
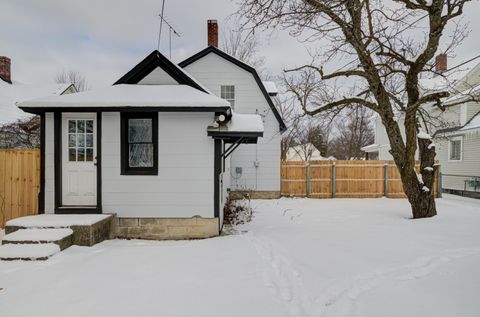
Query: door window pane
80, 154
89, 155
72, 155
72, 140
80, 140
89, 126
89, 140
80, 126
72, 126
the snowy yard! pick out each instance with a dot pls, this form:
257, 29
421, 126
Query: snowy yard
299, 257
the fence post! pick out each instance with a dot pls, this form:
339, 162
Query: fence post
308, 179
334, 179
385, 176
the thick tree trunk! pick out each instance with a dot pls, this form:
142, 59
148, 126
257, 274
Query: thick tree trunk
423, 204
419, 187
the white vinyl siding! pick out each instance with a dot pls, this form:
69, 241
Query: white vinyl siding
213, 71
184, 185
468, 166
49, 164
158, 77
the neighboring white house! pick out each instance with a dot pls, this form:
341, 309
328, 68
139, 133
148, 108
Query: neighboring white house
305, 152
152, 148
457, 140
252, 167
12, 92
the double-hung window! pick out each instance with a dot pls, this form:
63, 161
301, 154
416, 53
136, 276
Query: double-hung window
139, 143
455, 149
227, 92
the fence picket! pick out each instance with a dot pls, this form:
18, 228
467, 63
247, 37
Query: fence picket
19, 183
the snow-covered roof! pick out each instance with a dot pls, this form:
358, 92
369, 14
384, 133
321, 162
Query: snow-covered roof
16, 92
246, 126
245, 123
270, 87
374, 147
124, 95
463, 96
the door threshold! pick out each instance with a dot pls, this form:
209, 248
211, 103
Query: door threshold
78, 210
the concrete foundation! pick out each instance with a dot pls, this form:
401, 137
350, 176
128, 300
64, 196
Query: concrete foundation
254, 194
167, 228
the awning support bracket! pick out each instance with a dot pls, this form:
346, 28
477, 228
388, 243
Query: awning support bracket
232, 148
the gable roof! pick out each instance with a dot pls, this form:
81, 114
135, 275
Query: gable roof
150, 63
212, 49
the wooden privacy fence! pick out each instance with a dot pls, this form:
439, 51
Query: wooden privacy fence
343, 179
19, 183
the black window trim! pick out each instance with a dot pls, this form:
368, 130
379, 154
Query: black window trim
125, 169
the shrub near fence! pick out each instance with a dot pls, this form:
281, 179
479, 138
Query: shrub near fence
342, 179
19, 183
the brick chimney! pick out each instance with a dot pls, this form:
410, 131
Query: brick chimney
441, 63
5, 66
212, 33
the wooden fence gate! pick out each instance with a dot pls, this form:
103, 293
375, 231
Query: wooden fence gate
19, 183
343, 179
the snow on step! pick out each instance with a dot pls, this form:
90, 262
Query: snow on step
28, 251
56, 221
38, 235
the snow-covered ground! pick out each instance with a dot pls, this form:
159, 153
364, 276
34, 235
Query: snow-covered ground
299, 257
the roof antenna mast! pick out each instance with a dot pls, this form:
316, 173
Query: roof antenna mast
170, 31
161, 23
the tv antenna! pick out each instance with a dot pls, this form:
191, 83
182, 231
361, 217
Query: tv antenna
171, 30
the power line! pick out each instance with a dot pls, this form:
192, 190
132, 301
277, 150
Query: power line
466, 62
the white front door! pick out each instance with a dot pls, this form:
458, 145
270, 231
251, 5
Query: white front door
79, 184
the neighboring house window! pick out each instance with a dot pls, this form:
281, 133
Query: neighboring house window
139, 143
455, 149
227, 92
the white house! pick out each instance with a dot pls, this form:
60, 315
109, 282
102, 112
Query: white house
12, 91
305, 152
252, 167
153, 148
456, 135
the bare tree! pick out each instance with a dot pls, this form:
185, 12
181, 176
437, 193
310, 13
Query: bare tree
390, 45
72, 77
353, 131
245, 47
24, 133
310, 136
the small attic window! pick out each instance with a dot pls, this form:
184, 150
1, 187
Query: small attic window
227, 92
139, 143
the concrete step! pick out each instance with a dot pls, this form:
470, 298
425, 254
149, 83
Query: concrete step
87, 229
62, 237
28, 252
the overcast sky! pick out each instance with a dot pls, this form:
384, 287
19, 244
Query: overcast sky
103, 39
